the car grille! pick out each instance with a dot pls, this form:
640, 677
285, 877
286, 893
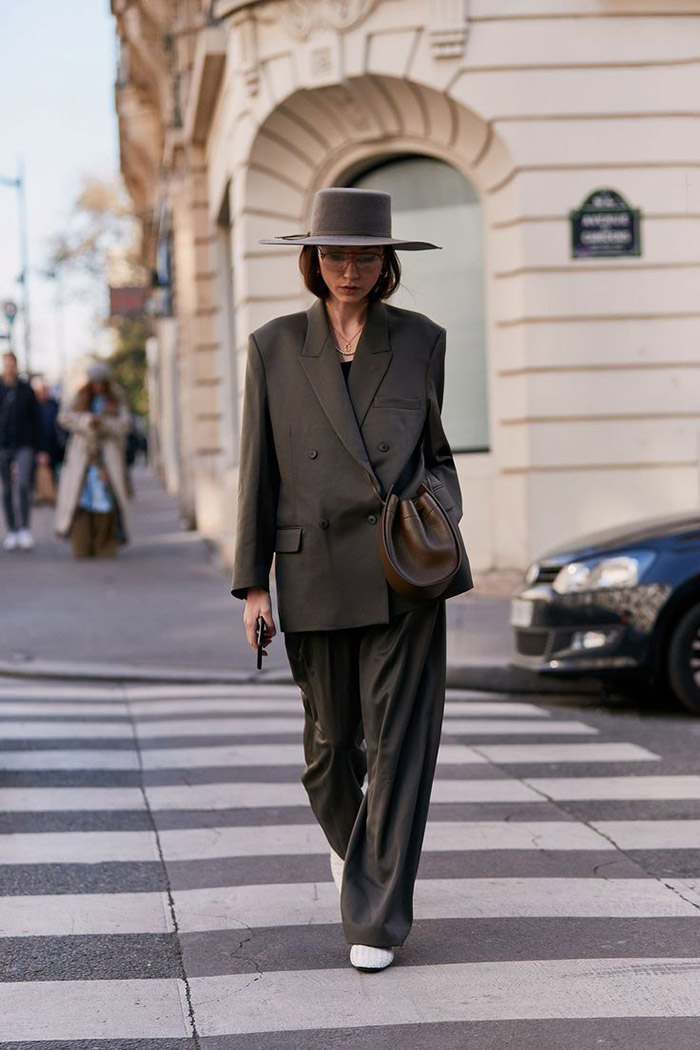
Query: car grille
547, 573
531, 643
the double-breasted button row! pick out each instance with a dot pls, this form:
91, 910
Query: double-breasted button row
323, 523
383, 446
372, 519
312, 453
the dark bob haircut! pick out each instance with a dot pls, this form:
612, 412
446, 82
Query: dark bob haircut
387, 282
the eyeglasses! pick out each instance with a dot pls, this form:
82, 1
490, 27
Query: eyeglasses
338, 261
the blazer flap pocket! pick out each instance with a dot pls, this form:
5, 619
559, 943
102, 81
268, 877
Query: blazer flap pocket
397, 402
440, 491
288, 539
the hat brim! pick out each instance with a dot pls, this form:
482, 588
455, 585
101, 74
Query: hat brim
340, 241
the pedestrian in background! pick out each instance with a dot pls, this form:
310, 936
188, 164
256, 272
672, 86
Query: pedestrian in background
53, 438
339, 400
20, 438
92, 495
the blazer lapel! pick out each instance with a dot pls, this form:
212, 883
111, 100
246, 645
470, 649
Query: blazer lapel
372, 358
318, 359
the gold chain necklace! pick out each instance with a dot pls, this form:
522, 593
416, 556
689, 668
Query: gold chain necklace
347, 352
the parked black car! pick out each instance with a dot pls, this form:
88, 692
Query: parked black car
622, 602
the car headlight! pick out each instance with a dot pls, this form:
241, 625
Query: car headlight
593, 574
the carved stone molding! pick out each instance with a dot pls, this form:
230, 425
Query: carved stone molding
448, 22
248, 50
301, 17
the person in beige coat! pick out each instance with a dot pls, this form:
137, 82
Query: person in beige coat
92, 503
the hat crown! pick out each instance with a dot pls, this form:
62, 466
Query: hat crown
339, 212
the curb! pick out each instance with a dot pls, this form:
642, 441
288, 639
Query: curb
494, 677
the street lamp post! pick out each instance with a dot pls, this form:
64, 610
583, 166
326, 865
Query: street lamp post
19, 184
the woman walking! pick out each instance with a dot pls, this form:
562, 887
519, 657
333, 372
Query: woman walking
91, 506
341, 402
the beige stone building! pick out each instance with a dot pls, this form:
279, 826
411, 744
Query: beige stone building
573, 387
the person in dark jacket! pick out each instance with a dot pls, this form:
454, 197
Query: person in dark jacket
20, 438
53, 437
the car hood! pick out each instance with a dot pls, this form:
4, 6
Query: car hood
634, 534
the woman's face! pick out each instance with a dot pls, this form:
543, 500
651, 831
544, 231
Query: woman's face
350, 273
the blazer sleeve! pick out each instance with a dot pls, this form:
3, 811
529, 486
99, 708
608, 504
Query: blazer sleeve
258, 484
436, 448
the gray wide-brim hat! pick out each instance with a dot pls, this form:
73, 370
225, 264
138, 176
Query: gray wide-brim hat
351, 218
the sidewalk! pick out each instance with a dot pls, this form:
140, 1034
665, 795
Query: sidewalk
163, 612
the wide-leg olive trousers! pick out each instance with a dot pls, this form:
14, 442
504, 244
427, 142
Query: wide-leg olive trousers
384, 684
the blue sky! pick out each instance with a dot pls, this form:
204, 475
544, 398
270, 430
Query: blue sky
57, 71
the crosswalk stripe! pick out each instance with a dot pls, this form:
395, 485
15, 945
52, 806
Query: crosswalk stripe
47, 760
241, 794
25, 708
598, 752
145, 710
486, 991
651, 834
289, 839
190, 757
231, 796
516, 727
56, 800
295, 904
65, 914
63, 1010
303, 904
90, 847
651, 788
78, 847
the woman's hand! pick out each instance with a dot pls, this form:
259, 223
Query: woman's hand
257, 603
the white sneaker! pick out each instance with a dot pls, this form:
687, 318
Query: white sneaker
10, 542
364, 957
25, 540
337, 865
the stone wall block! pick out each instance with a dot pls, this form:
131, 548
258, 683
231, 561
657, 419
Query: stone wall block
284, 157
620, 141
588, 500
389, 54
276, 196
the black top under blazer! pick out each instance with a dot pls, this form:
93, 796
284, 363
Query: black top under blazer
308, 440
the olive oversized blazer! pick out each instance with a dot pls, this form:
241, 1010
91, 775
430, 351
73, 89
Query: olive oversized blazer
307, 443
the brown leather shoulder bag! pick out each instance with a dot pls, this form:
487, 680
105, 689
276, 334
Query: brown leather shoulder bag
420, 548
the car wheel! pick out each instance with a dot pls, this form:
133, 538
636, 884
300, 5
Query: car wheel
684, 659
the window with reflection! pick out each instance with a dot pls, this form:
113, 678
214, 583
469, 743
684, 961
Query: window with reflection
433, 201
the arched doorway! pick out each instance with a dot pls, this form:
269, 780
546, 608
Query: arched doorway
433, 201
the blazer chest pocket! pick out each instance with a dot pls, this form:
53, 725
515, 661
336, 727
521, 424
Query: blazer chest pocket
288, 539
398, 402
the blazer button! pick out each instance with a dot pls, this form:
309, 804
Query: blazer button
312, 453
383, 447
324, 523
372, 519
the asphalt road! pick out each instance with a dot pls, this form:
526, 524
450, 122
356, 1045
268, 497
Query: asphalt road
163, 883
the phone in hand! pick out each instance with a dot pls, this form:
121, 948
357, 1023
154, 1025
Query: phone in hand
260, 639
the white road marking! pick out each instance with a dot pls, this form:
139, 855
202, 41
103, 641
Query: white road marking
78, 847
598, 752
66, 914
64, 1010
57, 800
516, 727
651, 834
303, 904
484, 991
644, 788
